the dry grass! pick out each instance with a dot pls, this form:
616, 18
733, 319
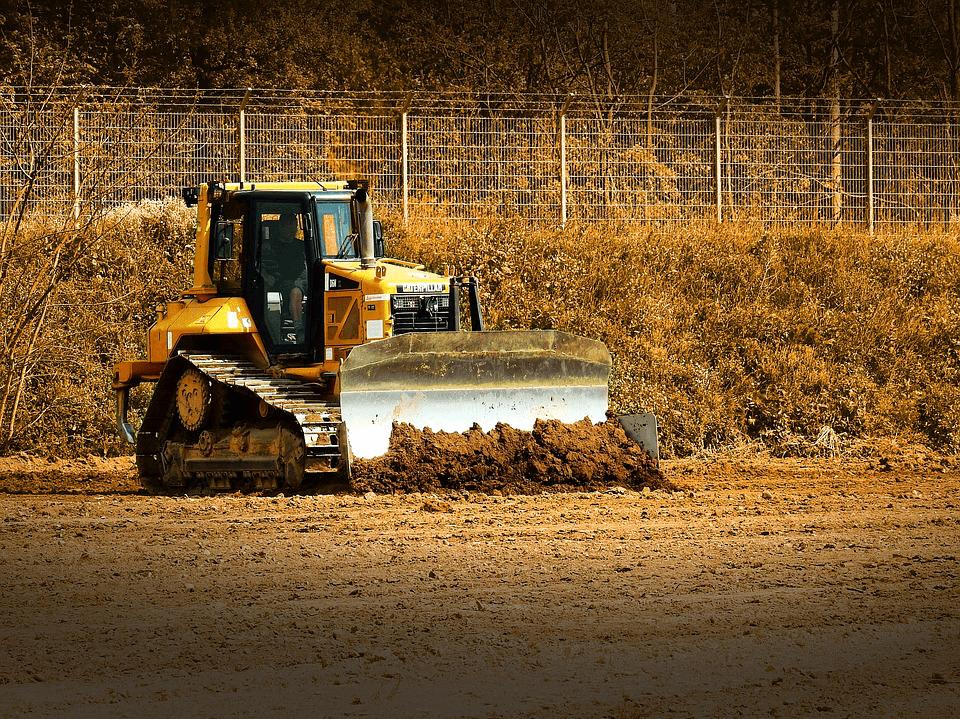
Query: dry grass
98, 311
735, 336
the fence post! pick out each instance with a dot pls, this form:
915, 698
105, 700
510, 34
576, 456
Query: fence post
242, 138
404, 185
563, 171
563, 159
241, 135
717, 169
76, 163
404, 108
871, 208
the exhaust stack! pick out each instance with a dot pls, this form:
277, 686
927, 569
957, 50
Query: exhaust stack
365, 211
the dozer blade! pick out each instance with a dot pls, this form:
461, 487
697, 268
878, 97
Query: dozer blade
449, 381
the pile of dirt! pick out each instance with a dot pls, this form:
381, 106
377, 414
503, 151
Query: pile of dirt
553, 457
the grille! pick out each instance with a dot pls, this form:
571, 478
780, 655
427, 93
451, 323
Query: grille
420, 313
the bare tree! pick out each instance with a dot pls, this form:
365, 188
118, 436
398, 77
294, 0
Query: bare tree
50, 235
775, 15
836, 157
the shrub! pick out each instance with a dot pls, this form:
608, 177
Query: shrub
97, 313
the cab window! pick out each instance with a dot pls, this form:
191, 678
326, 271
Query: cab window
335, 225
228, 247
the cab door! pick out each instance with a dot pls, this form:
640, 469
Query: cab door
282, 284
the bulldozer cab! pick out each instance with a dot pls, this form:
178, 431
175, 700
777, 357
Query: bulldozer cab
269, 248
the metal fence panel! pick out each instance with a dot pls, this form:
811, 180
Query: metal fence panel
788, 169
916, 168
304, 147
36, 157
468, 165
632, 169
130, 155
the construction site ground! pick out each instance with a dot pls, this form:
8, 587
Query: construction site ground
767, 588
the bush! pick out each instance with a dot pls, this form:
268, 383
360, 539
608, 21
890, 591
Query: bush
99, 308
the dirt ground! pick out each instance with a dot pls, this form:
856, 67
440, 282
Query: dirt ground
768, 588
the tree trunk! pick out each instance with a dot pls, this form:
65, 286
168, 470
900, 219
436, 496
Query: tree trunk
776, 50
836, 159
888, 63
201, 39
954, 32
653, 89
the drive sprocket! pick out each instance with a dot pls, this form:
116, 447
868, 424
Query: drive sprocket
194, 396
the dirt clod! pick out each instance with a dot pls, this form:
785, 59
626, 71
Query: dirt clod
553, 457
432, 505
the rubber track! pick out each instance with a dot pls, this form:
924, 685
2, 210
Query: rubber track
318, 418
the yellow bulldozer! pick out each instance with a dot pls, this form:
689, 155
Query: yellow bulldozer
300, 345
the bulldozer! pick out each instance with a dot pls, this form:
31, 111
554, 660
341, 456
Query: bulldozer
300, 344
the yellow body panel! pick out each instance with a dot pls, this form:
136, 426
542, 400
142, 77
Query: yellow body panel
216, 316
377, 285
220, 316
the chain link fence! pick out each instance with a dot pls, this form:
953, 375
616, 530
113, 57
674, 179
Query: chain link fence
547, 159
